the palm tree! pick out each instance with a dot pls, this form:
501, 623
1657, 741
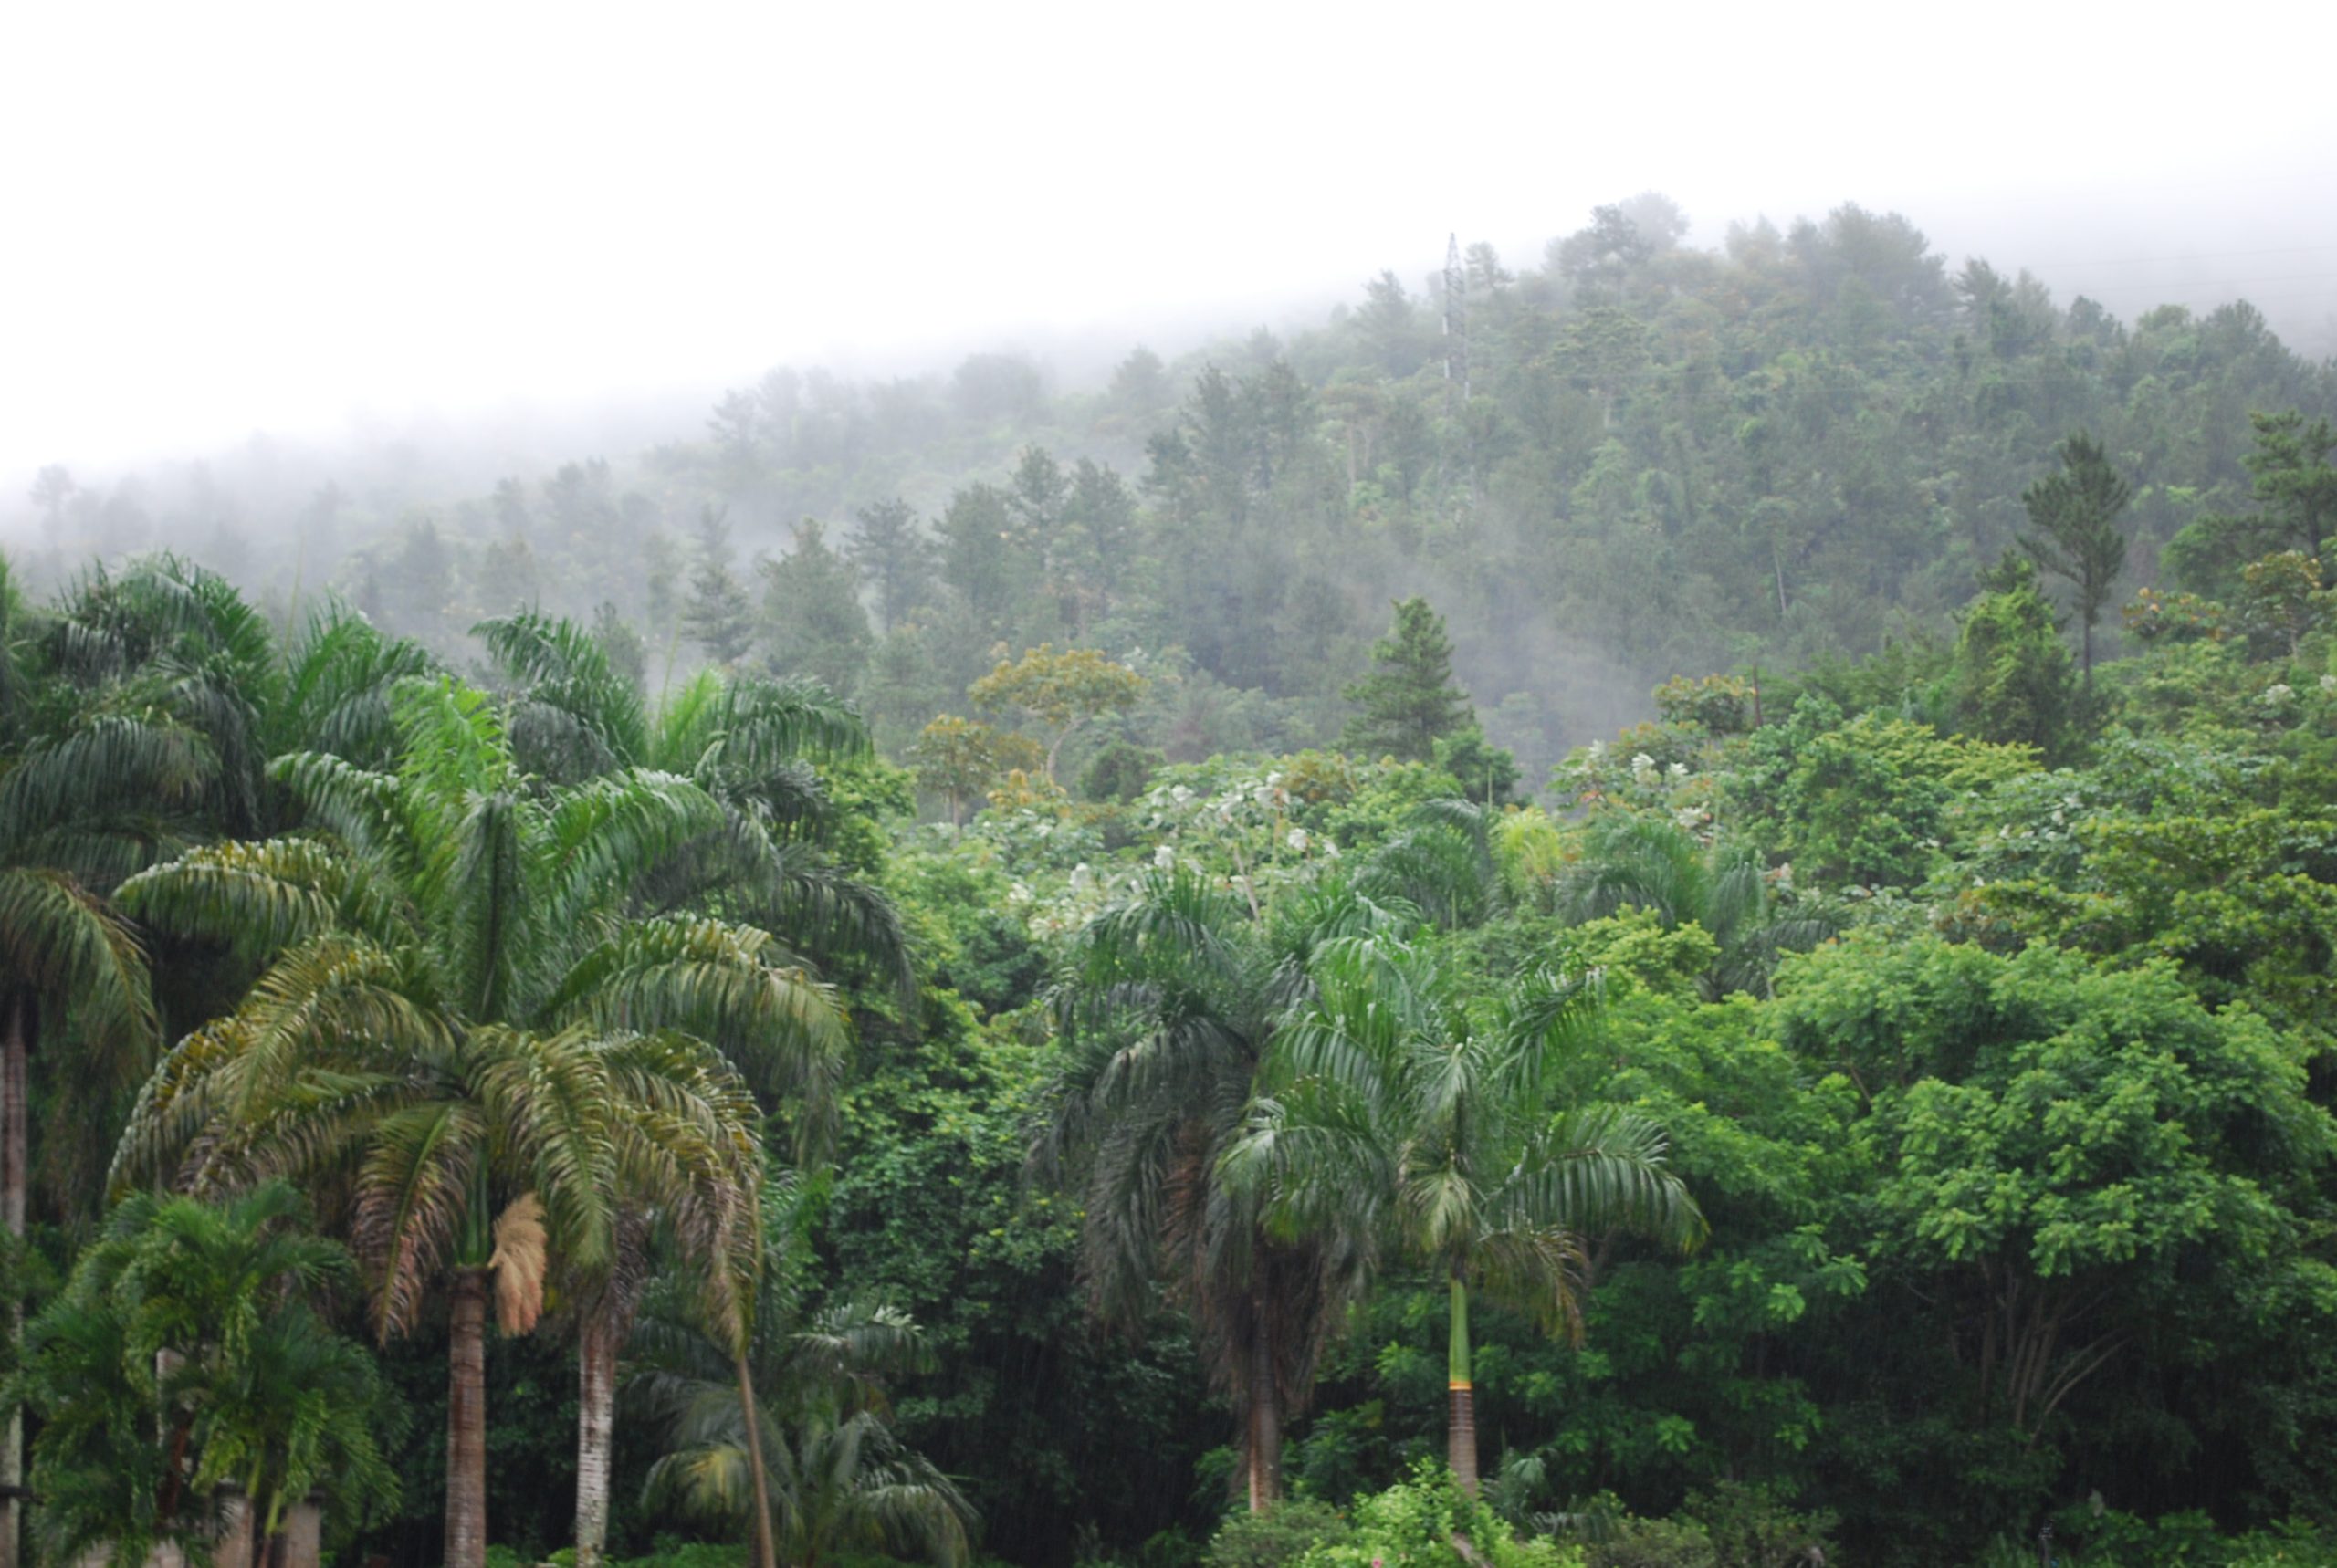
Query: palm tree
93, 780
177, 639
812, 1464
1441, 863
164, 656
185, 1355
335, 690
1634, 861
1402, 1114
455, 1015
749, 743
693, 1170
1164, 1017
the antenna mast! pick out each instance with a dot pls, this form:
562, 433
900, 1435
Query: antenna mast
1456, 318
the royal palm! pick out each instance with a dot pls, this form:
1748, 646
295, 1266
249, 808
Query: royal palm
452, 1008
749, 743
1401, 1115
1165, 1014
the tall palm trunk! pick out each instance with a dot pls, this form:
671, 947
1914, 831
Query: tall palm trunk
765, 1552
1264, 1434
15, 1158
610, 1305
596, 1400
1461, 1430
466, 1422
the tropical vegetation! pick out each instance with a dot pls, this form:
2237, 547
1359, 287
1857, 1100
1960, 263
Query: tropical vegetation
1716, 942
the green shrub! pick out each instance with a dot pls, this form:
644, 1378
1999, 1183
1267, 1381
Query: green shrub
669, 1553
1413, 1525
1654, 1543
2294, 1545
2115, 1537
1752, 1526
1119, 772
1281, 1535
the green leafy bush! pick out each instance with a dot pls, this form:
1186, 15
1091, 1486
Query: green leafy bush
1653, 1543
1119, 772
1754, 1527
1283, 1533
1418, 1523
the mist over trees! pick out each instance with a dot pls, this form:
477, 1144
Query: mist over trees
1645, 909
1632, 459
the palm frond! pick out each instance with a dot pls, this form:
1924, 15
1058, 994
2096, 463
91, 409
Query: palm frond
1541, 1271
717, 981
521, 1258
413, 1190
360, 808
139, 760
476, 882
66, 945
1603, 1168
575, 704
605, 834
340, 672
546, 1095
258, 897
766, 723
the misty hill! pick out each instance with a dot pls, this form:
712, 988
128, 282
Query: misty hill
1631, 460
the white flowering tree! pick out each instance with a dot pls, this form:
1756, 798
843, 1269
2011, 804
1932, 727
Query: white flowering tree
1242, 832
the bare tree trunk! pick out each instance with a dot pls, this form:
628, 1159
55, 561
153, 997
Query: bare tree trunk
766, 1553
1460, 1426
1460, 1436
303, 1537
15, 1152
1264, 1443
466, 1422
237, 1545
596, 1398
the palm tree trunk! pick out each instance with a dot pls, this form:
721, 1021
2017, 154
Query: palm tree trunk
16, 1155
766, 1555
596, 1399
1461, 1431
466, 1422
1264, 1443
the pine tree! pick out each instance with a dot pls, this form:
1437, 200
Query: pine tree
1409, 700
893, 556
812, 621
716, 616
984, 556
2075, 513
2011, 678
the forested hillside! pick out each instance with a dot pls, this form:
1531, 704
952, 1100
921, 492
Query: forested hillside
1632, 460
1690, 924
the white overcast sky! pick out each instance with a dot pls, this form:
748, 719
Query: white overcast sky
223, 218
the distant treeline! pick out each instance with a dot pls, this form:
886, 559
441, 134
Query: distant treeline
1634, 460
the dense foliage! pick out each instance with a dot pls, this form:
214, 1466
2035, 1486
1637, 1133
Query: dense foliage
1028, 1033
